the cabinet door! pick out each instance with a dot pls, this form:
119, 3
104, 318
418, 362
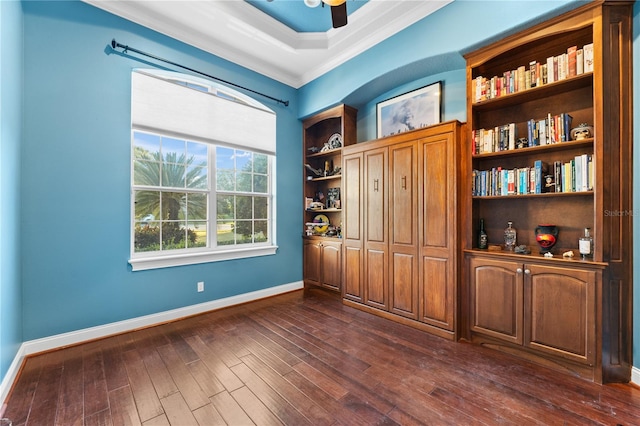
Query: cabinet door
496, 298
403, 230
375, 222
331, 265
311, 253
352, 227
438, 272
560, 311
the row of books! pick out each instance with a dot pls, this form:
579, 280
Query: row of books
568, 64
546, 131
575, 175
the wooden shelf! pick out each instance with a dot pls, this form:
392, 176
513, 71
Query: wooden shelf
535, 93
327, 153
543, 195
560, 146
318, 179
537, 257
323, 211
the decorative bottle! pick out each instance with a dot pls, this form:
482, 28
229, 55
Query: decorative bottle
483, 242
509, 237
585, 244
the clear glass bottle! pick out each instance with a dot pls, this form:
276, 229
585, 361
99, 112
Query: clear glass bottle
509, 237
483, 241
585, 244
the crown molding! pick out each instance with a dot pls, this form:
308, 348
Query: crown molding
238, 32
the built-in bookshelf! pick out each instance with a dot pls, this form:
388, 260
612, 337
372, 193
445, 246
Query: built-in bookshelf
549, 143
324, 136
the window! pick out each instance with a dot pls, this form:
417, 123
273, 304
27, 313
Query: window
199, 194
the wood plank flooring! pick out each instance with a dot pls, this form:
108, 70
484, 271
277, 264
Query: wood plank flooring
301, 358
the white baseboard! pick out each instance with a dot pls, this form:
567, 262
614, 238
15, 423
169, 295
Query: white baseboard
79, 336
635, 375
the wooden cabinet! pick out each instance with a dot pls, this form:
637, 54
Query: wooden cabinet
325, 135
521, 127
400, 229
322, 263
545, 309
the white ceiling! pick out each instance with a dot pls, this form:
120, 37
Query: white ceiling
236, 31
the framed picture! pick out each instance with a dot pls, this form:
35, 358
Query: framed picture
413, 110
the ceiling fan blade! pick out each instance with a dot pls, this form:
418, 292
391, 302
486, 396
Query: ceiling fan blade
339, 15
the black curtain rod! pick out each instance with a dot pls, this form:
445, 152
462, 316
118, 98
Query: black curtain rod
115, 44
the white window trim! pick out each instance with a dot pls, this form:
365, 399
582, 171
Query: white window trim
183, 259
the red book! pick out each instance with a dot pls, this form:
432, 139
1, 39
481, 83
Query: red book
572, 59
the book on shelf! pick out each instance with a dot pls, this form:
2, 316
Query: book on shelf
573, 62
572, 66
574, 175
545, 131
588, 57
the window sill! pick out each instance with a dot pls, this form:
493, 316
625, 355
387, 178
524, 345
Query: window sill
166, 261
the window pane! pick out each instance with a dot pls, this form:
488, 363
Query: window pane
173, 175
260, 208
197, 234
244, 232
172, 205
173, 149
225, 180
147, 206
197, 206
260, 163
260, 184
147, 237
225, 234
174, 234
145, 146
197, 177
260, 231
243, 160
243, 182
244, 207
224, 158
225, 207
146, 173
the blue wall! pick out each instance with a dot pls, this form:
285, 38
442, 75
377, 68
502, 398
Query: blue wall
74, 175
10, 136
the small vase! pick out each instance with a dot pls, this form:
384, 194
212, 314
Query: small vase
546, 237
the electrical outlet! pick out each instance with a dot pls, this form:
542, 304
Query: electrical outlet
200, 286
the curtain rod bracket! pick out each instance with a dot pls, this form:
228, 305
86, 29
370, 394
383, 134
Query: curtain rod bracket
126, 49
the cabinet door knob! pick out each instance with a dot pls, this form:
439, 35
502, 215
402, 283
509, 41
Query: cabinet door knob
519, 270
404, 182
375, 185
526, 271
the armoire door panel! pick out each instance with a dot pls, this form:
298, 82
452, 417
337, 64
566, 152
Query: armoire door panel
436, 175
404, 294
375, 193
376, 282
352, 273
436, 298
402, 208
352, 198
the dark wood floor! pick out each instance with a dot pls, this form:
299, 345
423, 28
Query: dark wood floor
301, 359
